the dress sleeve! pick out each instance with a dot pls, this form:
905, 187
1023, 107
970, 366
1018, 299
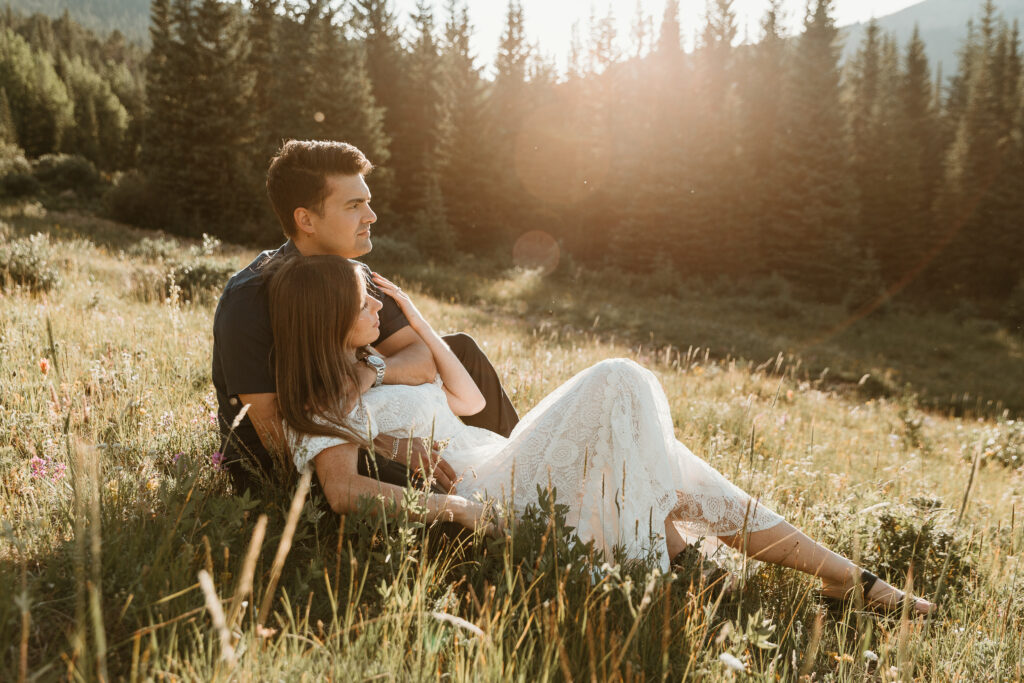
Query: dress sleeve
304, 447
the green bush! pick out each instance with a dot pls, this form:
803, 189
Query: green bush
19, 185
926, 541
29, 262
154, 248
16, 179
131, 199
66, 172
389, 251
1001, 443
1013, 310
198, 278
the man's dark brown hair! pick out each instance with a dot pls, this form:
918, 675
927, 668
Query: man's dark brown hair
297, 176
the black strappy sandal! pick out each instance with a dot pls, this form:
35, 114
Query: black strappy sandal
838, 606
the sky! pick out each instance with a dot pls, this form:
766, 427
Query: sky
549, 22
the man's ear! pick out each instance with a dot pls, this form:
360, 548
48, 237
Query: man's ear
303, 220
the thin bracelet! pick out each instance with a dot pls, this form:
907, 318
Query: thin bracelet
394, 448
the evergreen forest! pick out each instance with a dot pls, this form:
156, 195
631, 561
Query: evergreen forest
767, 160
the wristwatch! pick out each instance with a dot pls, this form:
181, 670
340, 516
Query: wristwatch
376, 363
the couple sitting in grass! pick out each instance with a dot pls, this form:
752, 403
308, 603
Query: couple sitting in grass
318, 357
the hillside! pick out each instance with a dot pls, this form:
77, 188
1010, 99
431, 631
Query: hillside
943, 26
111, 496
130, 17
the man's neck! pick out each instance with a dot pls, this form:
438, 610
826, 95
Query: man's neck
308, 248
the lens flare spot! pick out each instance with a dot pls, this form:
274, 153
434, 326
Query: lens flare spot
536, 250
319, 117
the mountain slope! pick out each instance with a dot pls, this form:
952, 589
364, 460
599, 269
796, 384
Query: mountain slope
943, 26
130, 17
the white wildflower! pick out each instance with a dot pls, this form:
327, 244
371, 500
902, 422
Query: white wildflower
870, 656
732, 662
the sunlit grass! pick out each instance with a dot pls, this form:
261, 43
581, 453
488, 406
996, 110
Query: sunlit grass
111, 505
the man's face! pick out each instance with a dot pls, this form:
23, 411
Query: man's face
342, 228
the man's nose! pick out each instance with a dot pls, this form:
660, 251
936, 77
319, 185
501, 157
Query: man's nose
372, 218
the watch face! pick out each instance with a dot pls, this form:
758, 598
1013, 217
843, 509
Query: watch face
374, 361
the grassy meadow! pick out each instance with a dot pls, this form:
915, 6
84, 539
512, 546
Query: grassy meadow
124, 554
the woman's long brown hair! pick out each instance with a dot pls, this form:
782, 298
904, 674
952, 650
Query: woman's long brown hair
314, 301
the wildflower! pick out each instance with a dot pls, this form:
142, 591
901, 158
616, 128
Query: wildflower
152, 484
44, 366
870, 656
59, 469
39, 467
176, 457
732, 662
217, 459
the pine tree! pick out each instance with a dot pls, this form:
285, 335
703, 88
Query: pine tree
814, 202
978, 260
262, 37
467, 178
101, 121
762, 78
506, 108
421, 138
8, 134
917, 172
39, 103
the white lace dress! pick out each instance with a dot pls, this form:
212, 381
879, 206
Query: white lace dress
603, 440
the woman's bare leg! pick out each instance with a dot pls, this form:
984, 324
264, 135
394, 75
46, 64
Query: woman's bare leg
785, 545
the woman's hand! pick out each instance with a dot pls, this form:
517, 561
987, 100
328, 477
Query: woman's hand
401, 298
484, 517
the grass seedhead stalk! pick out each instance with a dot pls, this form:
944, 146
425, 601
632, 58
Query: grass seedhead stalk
298, 501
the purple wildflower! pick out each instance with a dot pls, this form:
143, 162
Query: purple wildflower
39, 467
218, 460
176, 457
59, 469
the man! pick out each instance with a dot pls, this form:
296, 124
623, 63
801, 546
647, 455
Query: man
318, 191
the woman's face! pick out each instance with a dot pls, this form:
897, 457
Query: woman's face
366, 328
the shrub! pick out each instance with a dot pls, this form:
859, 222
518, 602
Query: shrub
29, 262
132, 200
1013, 311
66, 172
16, 179
198, 278
154, 248
1002, 443
905, 538
388, 251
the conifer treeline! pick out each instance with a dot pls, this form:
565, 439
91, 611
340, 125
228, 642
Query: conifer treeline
64, 90
726, 161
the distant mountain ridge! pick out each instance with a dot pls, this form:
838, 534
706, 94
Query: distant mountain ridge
943, 23
130, 17
943, 26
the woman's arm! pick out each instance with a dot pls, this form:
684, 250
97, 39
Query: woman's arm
336, 468
464, 397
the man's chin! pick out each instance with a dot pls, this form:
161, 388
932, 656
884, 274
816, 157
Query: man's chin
363, 247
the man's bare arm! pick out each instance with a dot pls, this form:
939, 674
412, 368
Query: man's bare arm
409, 359
266, 419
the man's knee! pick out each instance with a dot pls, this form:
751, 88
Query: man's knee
463, 346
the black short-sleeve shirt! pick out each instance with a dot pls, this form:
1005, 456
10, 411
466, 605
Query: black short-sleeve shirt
242, 347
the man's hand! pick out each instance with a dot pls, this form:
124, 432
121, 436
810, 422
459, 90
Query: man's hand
413, 453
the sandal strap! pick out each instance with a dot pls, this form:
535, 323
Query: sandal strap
867, 581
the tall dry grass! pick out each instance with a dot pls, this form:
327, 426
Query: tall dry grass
125, 556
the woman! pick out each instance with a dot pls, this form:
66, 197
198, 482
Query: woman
604, 439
